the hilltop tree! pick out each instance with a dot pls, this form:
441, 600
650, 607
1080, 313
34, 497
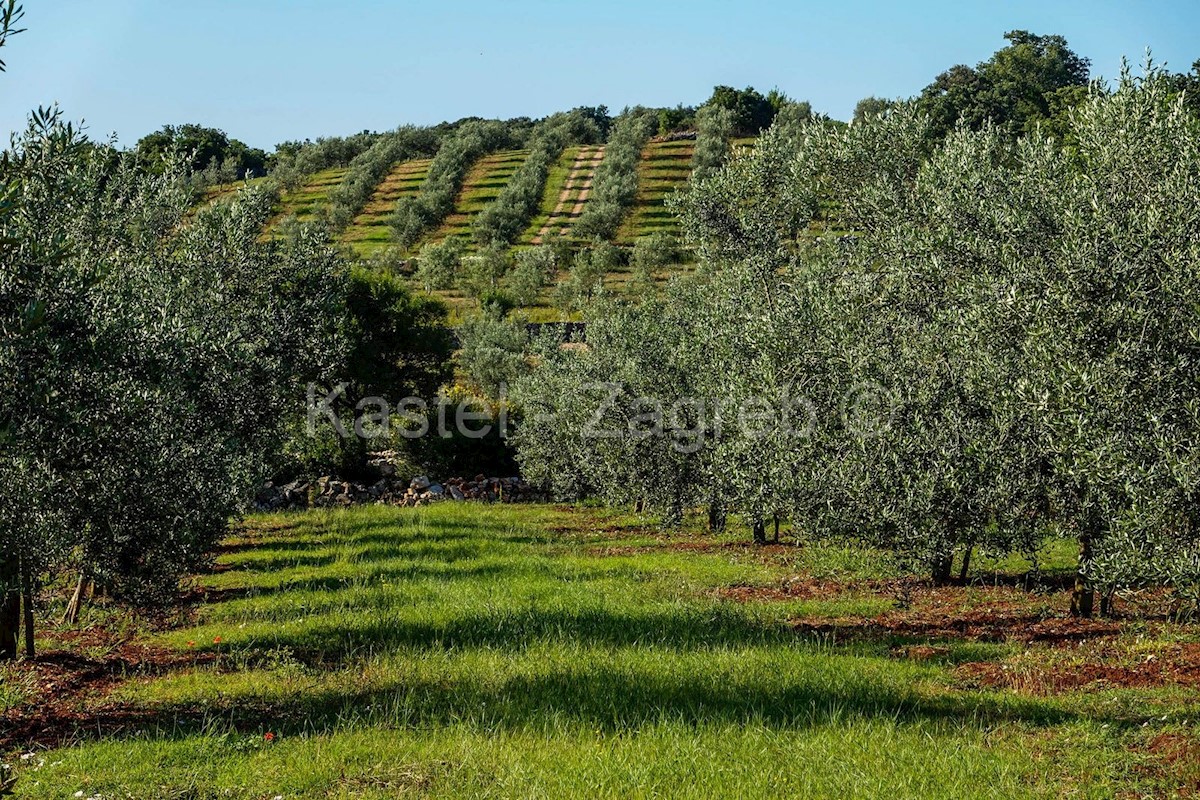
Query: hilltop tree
203, 148
871, 107
751, 111
1013, 89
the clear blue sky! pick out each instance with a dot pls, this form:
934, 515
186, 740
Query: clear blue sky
269, 70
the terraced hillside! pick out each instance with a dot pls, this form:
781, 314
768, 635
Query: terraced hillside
483, 183
305, 201
369, 232
570, 192
665, 167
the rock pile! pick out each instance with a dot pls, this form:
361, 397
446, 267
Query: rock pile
328, 492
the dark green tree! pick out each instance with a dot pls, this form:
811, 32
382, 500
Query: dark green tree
1014, 88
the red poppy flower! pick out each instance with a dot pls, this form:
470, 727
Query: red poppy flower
270, 737
216, 640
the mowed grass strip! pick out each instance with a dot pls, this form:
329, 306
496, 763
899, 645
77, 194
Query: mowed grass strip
481, 186
306, 201
573, 193
664, 167
464, 650
369, 232
555, 182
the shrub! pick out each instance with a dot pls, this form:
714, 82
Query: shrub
439, 264
535, 269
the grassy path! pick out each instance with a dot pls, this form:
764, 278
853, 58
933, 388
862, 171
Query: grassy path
472, 651
369, 232
572, 194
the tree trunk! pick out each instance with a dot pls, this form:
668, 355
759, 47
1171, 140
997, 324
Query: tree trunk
1083, 598
27, 606
716, 517
941, 568
966, 565
78, 598
10, 612
760, 531
776, 529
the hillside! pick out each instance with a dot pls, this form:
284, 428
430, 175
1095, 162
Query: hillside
663, 167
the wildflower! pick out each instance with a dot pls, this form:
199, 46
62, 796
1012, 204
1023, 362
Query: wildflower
216, 640
270, 737
191, 644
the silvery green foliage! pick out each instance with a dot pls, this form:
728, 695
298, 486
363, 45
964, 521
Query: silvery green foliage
1113, 350
714, 128
942, 244
483, 271
149, 361
439, 264
615, 186
602, 417
492, 351
414, 216
585, 279
370, 167
1007, 341
534, 268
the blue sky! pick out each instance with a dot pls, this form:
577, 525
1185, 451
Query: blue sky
270, 70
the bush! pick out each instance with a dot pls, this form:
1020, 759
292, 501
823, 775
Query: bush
439, 264
492, 350
535, 269
483, 272
714, 128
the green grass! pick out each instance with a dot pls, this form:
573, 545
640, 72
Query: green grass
369, 232
468, 650
665, 167
308, 199
564, 197
556, 179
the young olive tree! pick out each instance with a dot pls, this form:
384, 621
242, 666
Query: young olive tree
440, 264
714, 129
534, 269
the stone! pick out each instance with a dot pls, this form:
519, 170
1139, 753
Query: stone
456, 493
420, 483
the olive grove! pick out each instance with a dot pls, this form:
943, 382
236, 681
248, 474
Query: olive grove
1003, 349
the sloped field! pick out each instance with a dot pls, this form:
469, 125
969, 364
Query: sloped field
482, 185
369, 232
665, 167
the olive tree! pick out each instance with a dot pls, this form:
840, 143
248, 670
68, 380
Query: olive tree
149, 358
1114, 341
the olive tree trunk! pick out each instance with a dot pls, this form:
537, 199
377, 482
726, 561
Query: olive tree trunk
10, 611
1083, 597
760, 530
